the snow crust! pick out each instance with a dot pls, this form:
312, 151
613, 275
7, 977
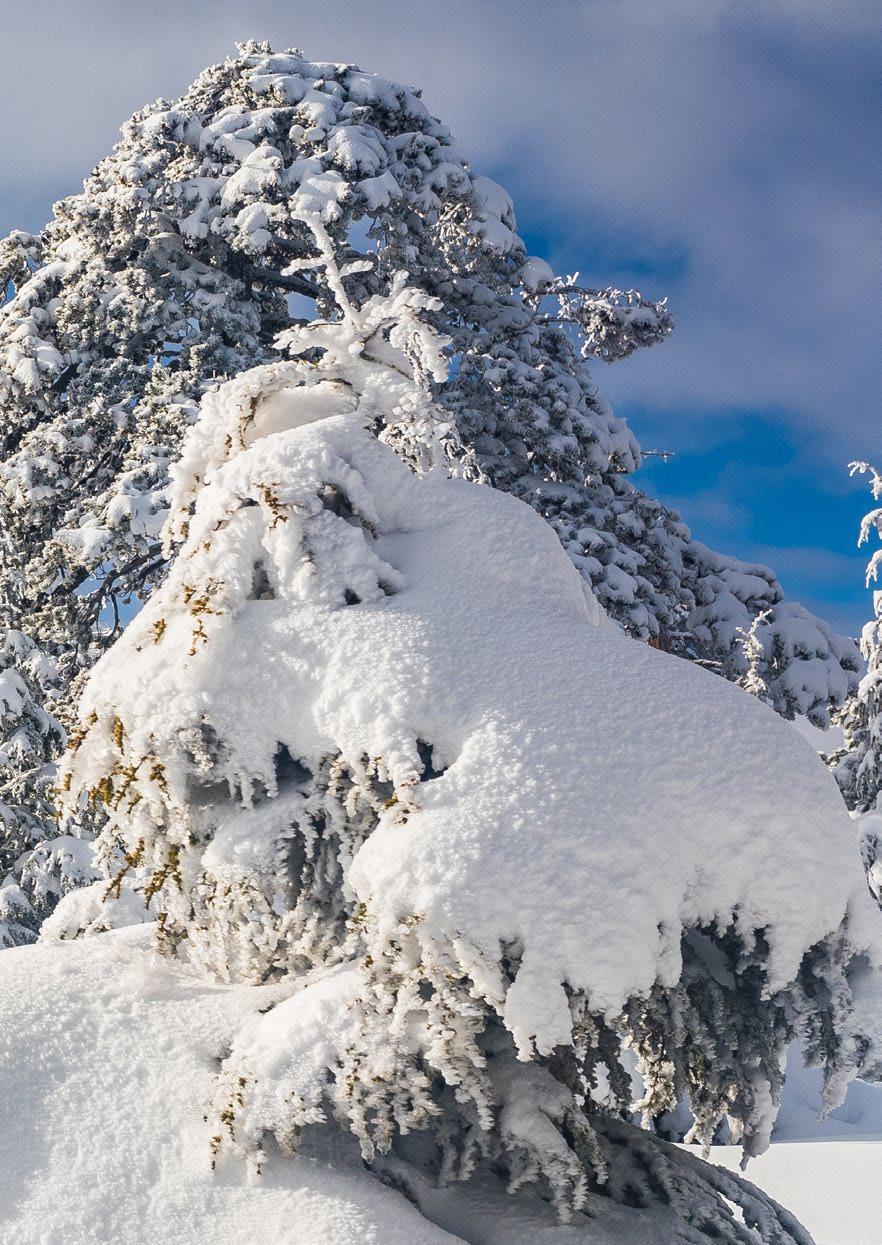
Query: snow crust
590, 797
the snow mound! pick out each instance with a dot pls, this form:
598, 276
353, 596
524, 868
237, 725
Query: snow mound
107, 1060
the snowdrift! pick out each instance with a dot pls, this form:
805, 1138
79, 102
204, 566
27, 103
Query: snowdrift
106, 1062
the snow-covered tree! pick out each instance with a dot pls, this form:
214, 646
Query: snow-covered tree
857, 765
183, 258
35, 871
373, 737
31, 737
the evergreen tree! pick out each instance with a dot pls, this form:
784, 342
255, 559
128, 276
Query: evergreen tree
321, 778
857, 765
187, 253
37, 871
31, 738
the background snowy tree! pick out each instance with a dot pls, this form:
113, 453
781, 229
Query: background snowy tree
310, 747
35, 871
183, 258
857, 765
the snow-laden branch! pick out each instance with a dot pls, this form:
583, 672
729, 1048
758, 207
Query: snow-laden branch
613, 323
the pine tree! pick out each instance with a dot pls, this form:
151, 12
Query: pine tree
31, 737
857, 765
31, 740
254, 734
186, 254
37, 871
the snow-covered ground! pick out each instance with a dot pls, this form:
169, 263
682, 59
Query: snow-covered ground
827, 1172
107, 1057
831, 1185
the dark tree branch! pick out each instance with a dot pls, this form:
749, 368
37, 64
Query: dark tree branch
268, 276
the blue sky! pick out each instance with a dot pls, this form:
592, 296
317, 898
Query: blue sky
726, 155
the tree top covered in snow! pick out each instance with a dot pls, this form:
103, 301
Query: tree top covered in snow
187, 253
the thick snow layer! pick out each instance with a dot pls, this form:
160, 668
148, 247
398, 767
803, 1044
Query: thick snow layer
822, 741
832, 1186
108, 1057
595, 796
